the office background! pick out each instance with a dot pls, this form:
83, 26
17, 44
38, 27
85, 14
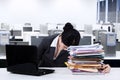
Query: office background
36, 17
17, 12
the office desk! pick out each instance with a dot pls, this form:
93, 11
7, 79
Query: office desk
113, 61
3, 61
61, 74
19, 43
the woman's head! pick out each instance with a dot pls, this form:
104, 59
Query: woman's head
70, 36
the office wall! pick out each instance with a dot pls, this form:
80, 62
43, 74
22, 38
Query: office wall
18, 12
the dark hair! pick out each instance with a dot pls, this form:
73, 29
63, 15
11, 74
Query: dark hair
70, 36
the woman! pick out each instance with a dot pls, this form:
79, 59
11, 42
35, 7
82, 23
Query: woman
52, 51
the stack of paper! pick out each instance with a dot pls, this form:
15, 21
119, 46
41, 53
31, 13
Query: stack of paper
85, 59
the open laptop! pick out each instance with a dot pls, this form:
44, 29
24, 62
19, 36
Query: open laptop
23, 59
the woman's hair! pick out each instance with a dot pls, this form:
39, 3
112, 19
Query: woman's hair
70, 36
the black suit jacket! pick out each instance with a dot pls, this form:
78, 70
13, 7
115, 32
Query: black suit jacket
46, 54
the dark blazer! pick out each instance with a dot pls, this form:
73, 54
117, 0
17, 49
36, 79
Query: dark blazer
46, 54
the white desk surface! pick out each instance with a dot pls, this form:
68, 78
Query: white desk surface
61, 74
2, 57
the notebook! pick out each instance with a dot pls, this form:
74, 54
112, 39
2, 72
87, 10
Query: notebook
23, 59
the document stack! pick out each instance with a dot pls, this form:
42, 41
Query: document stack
85, 59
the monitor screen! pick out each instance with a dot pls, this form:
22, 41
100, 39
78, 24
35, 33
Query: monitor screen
27, 29
16, 32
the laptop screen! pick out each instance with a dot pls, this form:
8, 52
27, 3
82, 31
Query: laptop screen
21, 54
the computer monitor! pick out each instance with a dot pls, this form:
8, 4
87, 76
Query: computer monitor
14, 33
52, 32
86, 40
27, 29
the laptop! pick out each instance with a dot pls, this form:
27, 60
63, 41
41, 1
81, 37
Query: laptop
23, 59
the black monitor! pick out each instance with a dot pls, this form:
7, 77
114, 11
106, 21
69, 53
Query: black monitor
27, 29
15, 33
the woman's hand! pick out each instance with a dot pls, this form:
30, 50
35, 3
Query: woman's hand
106, 68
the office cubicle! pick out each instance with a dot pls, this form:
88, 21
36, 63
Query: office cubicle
36, 40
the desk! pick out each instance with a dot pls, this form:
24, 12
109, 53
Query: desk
61, 74
18, 43
2, 61
113, 61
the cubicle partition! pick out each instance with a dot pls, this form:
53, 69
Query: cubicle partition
36, 40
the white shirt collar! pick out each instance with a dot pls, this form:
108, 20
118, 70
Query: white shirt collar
54, 42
